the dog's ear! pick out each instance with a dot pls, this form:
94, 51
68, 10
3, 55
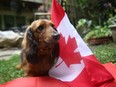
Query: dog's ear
31, 54
30, 35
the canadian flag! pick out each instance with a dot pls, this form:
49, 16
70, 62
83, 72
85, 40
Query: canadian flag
76, 66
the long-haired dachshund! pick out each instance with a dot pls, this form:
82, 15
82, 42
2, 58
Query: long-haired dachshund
39, 48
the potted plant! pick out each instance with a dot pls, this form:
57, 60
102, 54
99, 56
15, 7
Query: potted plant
112, 25
98, 35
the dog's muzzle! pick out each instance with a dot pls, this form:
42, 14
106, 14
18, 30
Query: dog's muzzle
56, 36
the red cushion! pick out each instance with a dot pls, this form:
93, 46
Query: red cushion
51, 82
112, 69
35, 82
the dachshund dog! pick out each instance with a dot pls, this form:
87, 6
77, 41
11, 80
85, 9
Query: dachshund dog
40, 48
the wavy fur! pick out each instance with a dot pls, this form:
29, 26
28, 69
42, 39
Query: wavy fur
40, 48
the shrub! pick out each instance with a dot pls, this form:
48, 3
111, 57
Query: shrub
98, 32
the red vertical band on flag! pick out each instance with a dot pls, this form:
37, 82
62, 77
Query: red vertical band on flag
57, 12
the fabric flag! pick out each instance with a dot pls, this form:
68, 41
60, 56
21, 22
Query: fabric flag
76, 65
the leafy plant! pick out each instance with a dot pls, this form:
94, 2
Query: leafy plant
98, 32
112, 20
83, 23
83, 26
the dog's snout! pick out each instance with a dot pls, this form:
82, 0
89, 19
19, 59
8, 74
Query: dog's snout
56, 36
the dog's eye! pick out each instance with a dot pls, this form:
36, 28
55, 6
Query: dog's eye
41, 27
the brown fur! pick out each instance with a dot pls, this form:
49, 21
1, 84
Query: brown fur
39, 48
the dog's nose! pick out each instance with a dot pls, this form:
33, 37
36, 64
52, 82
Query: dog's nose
56, 36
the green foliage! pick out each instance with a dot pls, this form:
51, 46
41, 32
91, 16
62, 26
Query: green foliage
98, 32
83, 26
101, 31
8, 71
111, 20
83, 23
106, 53
96, 10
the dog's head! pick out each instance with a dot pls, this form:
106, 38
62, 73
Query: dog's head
38, 33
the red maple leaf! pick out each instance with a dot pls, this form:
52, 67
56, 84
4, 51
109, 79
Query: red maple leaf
67, 51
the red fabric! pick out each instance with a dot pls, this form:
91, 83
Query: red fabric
56, 8
50, 82
93, 71
83, 80
96, 71
35, 82
112, 69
